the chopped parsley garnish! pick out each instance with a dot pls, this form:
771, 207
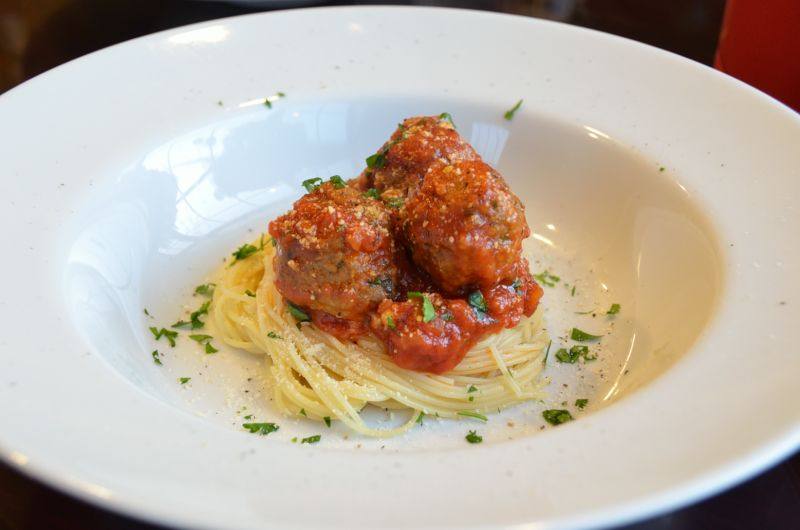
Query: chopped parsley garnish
146, 312
573, 291
250, 293
547, 352
312, 184
274, 243
337, 182
614, 309
294, 439
478, 302
184, 380
394, 202
195, 315
260, 428
447, 316
372, 193
419, 418
245, 251
204, 339
157, 358
581, 403
163, 332
428, 311
249, 417
557, 416
582, 336
509, 115
471, 414
547, 279
574, 353
268, 100
327, 420
195, 322
390, 323
311, 439
376, 161
297, 313
563, 356
303, 412
273, 335
517, 285
207, 289
472, 388
445, 116
661, 169
473, 437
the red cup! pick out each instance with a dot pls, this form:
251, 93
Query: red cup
760, 44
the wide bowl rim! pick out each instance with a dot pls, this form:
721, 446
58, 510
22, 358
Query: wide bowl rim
711, 481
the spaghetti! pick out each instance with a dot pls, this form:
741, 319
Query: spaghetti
313, 374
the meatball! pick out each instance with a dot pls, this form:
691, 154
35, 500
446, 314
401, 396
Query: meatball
335, 253
436, 345
464, 226
398, 168
508, 302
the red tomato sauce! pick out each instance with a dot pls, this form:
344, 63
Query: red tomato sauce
423, 249
438, 341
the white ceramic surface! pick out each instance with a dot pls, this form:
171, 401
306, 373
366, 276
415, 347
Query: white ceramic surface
649, 181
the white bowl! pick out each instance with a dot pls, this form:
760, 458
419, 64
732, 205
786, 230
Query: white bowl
649, 181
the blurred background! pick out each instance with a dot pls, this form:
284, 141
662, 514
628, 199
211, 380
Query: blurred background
757, 41
36, 35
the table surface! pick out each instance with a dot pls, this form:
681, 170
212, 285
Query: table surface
36, 35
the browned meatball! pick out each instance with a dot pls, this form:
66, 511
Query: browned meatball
399, 167
464, 226
334, 252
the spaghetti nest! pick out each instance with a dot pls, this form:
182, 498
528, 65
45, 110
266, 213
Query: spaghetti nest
313, 372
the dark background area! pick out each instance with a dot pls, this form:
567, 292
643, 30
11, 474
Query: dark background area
36, 35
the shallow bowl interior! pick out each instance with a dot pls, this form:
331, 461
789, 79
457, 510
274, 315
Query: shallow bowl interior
614, 226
